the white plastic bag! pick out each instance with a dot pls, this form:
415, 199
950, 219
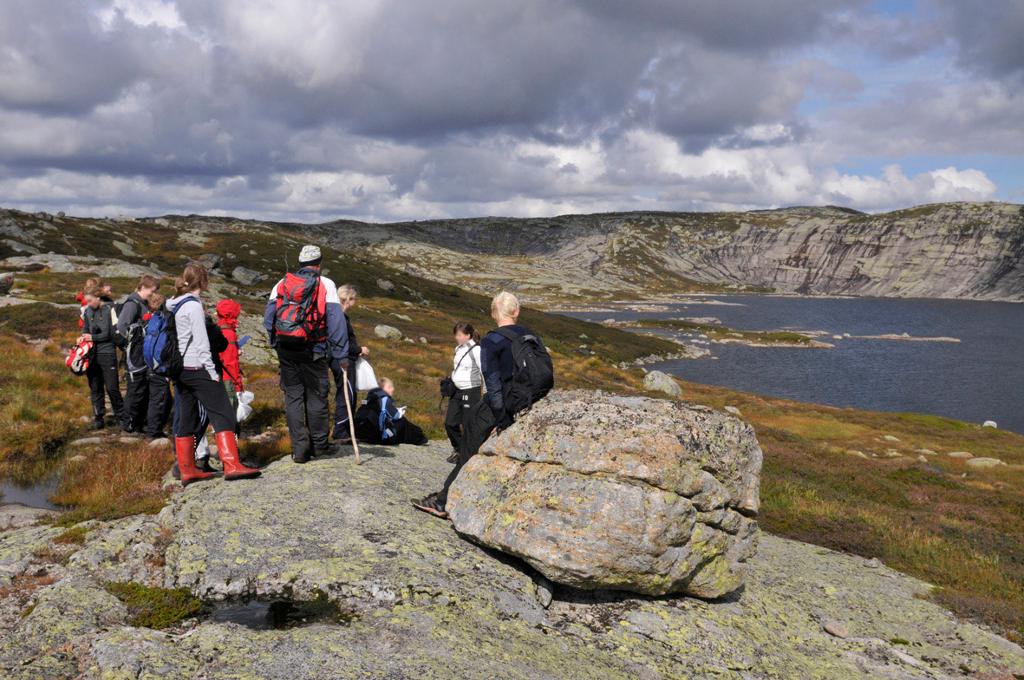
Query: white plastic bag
366, 379
244, 405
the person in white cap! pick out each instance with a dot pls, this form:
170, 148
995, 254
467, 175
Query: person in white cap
307, 327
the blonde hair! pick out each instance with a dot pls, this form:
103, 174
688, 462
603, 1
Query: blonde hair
347, 292
385, 381
193, 278
505, 305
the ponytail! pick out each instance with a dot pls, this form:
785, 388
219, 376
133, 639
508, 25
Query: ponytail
467, 328
194, 277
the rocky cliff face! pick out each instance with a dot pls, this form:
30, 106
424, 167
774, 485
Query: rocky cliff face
955, 250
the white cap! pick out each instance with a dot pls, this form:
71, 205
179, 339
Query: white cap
309, 254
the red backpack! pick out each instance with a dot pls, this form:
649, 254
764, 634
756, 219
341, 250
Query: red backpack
79, 357
301, 315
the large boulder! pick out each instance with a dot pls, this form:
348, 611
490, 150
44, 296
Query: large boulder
597, 491
657, 381
387, 332
246, 276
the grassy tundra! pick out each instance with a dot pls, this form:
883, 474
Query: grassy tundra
847, 479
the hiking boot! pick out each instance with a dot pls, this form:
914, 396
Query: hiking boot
98, 424
301, 458
185, 452
227, 449
432, 505
453, 457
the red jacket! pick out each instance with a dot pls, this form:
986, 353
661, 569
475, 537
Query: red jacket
227, 319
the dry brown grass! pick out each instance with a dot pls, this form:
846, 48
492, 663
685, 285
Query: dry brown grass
114, 482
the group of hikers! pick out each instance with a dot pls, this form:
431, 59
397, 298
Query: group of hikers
178, 360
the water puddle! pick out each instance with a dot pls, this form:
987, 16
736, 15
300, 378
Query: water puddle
33, 495
280, 614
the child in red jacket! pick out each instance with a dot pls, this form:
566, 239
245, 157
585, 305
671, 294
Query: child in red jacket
227, 319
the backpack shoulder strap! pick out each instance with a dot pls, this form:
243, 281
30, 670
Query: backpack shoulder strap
506, 332
181, 304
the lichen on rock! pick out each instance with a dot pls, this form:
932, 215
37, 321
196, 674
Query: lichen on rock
601, 491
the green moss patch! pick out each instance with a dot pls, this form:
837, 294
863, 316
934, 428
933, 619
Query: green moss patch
156, 608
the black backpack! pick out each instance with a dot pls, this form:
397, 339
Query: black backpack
533, 376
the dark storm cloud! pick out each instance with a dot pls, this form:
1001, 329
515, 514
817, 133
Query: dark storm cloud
384, 108
989, 35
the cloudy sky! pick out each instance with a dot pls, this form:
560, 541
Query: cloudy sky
401, 109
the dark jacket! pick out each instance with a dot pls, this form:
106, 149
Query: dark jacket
218, 343
375, 420
100, 324
132, 311
354, 350
498, 367
129, 324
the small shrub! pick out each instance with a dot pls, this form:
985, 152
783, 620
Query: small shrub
156, 608
73, 536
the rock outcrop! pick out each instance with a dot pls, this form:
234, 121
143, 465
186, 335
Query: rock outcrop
947, 250
660, 381
424, 603
608, 492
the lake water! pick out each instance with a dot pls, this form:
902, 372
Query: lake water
980, 378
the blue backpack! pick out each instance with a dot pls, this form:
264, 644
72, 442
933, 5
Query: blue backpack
160, 345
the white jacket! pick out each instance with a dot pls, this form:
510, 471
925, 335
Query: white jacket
466, 374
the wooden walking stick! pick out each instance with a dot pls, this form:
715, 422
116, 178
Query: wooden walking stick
351, 420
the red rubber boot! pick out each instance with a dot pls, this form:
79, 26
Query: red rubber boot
185, 450
227, 449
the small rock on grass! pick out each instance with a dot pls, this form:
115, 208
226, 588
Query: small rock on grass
890, 438
982, 462
836, 629
160, 443
387, 332
87, 441
662, 382
960, 454
927, 452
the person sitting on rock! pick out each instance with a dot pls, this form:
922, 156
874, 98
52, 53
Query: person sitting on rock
199, 384
379, 421
98, 326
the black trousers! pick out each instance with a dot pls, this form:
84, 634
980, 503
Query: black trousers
136, 401
196, 387
159, 406
340, 411
306, 388
103, 382
479, 423
458, 411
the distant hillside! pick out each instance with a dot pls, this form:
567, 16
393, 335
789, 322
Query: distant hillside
950, 250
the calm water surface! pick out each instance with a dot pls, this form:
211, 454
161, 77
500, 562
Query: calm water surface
980, 378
